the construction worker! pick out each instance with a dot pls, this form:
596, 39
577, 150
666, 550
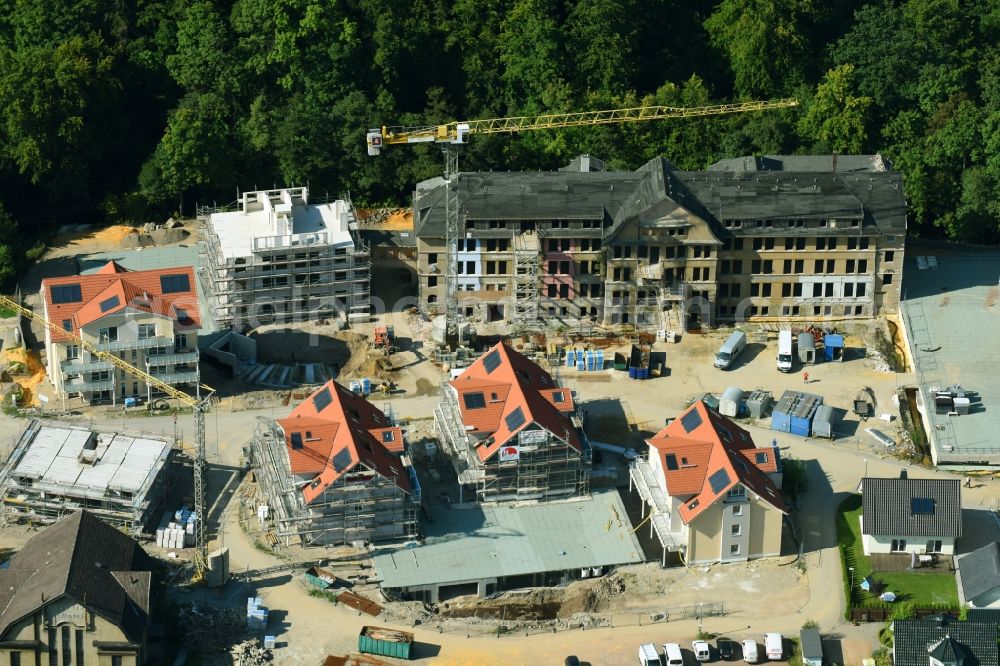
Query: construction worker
805, 377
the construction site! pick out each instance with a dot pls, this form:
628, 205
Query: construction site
277, 257
54, 470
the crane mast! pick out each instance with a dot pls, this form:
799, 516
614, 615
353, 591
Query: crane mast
198, 404
453, 134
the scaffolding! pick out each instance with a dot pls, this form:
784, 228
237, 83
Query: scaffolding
54, 470
286, 276
525, 293
546, 467
360, 506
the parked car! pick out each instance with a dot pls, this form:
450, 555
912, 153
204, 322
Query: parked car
726, 648
773, 646
749, 647
701, 650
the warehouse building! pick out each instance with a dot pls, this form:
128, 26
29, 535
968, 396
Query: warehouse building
149, 319
279, 257
758, 238
56, 469
335, 472
512, 432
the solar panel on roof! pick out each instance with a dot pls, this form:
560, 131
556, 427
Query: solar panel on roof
515, 419
322, 400
66, 293
110, 303
671, 461
342, 460
474, 400
922, 506
296, 440
719, 480
172, 284
691, 420
492, 361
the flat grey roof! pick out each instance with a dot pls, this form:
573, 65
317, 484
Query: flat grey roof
952, 313
496, 541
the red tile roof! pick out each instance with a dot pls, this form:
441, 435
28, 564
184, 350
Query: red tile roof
702, 443
515, 382
138, 290
340, 430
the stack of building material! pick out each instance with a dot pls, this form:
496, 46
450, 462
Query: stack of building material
176, 529
256, 614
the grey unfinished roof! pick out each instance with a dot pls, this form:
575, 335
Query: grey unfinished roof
912, 507
980, 570
915, 640
82, 558
496, 541
823, 163
803, 190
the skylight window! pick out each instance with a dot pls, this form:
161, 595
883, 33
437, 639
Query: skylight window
671, 461
110, 304
296, 440
173, 284
322, 400
388, 436
474, 400
691, 420
68, 325
492, 361
760, 457
558, 396
922, 506
66, 293
719, 480
342, 460
515, 419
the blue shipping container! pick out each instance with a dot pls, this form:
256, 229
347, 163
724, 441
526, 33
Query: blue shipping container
781, 421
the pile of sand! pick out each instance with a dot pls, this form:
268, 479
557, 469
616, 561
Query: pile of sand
35, 374
98, 240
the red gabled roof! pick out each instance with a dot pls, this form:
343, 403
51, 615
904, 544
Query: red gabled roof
137, 290
339, 430
701, 443
510, 381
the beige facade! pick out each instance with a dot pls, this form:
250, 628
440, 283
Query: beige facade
793, 240
734, 530
64, 632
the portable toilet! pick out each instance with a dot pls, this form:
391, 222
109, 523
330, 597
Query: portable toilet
366, 386
729, 404
812, 647
807, 348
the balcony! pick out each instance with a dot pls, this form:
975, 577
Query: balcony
90, 385
174, 359
77, 366
126, 345
186, 377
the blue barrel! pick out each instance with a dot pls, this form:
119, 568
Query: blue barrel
631, 373
366, 386
570, 358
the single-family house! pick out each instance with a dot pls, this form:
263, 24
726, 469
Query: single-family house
942, 640
979, 573
715, 496
904, 515
513, 433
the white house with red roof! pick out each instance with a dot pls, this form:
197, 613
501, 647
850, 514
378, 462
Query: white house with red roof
512, 432
334, 472
715, 496
149, 319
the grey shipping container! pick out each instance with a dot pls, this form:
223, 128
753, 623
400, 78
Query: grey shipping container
807, 348
823, 422
758, 403
812, 647
729, 404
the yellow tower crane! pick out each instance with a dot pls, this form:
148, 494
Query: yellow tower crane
198, 404
458, 133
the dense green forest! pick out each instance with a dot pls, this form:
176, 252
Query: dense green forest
133, 109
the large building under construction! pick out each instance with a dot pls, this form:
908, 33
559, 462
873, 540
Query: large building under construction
56, 469
750, 238
335, 472
512, 432
278, 257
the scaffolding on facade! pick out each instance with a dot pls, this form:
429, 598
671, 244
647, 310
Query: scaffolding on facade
55, 470
524, 309
360, 506
546, 465
285, 277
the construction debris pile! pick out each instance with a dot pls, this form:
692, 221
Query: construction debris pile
210, 628
251, 653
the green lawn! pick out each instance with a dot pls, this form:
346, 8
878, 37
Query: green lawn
919, 589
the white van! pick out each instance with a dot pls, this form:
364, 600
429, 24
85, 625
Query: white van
672, 655
785, 351
772, 644
749, 647
648, 656
701, 650
734, 344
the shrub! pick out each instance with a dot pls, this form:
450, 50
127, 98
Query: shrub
36, 251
